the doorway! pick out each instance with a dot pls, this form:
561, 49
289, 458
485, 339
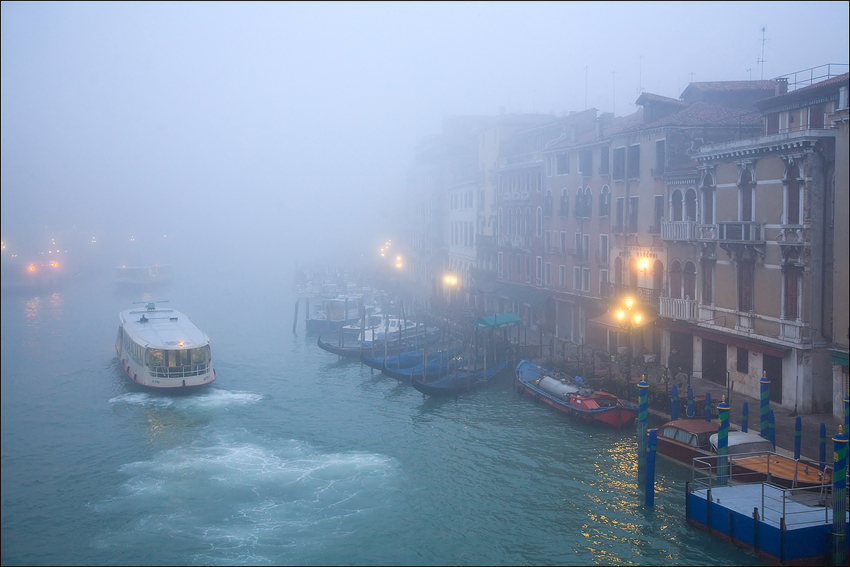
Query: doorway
714, 361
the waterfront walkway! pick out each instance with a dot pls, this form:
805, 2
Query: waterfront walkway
784, 420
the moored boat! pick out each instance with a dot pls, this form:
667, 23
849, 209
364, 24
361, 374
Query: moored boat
460, 381
571, 396
162, 348
436, 366
684, 440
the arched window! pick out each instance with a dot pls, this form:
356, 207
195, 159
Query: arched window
527, 222
577, 207
658, 275
565, 204
690, 280
605, 202
499, 224
618, 270
547, 204
675, 280
676, 205
792, 195
539, 221
510, 222
691, 205
588, 201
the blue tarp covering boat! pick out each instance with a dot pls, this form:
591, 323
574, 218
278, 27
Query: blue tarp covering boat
460, 381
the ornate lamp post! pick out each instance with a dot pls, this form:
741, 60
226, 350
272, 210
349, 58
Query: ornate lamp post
628, 318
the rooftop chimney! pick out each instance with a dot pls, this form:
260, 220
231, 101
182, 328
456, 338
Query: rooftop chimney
781, 86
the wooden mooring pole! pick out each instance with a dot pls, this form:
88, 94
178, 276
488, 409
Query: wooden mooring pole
295, 319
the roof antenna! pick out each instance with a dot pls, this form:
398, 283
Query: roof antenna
761, 60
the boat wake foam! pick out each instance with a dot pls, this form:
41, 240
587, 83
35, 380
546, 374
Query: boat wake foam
246, 503
212, 398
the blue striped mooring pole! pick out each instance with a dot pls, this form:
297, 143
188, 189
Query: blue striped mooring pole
707, 411
798, 432
764, 405
689, 412
822, 452
847, 413
652, 442
722, 442
771, 428
674, 403
839, 498
643, 412
745, 417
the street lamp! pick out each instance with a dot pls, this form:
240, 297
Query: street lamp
451, 282
628, 319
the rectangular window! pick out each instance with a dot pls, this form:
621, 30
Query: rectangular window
548, 166
603, 249
816, 116
539, 270
660, 158
563, 164
547, 274
746, 202
634, 161
745, 286
585, 247
577, 278
633, 214
501, 273
773, 123
518, 267
603, 283
548, 241
791, 293
619, 163
793, 202
586, 162
743, 365
528, 269
562, 275
603, 160
508, 265
585, 279
539, 181
563, 242
577, 243
707, 276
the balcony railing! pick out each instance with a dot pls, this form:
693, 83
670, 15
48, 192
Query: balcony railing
678, 230
645, 295
683, 309
514, 240
740, 231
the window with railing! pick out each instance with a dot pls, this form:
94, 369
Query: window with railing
603, 160
634, 161
605, 202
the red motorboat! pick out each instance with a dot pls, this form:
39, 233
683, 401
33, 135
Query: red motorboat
570, 396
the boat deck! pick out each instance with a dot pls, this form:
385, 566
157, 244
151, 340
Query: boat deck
783, 467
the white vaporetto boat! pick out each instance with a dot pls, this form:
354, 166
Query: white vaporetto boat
162, 348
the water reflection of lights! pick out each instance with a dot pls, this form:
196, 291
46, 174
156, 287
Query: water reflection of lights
31, 310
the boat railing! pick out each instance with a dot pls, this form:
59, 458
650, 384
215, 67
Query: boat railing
179, 371
719, 470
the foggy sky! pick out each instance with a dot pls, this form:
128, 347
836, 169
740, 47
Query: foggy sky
280, 130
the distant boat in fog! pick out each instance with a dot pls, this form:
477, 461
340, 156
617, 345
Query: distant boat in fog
31, 275
139, 276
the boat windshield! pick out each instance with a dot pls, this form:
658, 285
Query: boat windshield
176, 358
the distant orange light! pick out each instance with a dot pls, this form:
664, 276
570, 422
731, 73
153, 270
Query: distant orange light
55, 264
32, 268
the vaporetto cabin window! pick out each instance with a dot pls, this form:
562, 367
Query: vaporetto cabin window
183, 362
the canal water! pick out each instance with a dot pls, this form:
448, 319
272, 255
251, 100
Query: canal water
294, 457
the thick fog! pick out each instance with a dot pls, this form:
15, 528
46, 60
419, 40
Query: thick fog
279, 132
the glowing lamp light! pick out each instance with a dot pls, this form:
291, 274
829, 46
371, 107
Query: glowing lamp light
637, 318
181, 343
629, 302
621, 315
32, 268
643, 265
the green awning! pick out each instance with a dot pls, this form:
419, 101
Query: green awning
841, 358
498, 321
